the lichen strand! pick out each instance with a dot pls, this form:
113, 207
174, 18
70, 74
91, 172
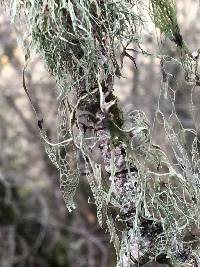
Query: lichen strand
165, 18
147, 238
79, 40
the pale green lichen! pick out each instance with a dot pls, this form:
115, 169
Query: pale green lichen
78, 40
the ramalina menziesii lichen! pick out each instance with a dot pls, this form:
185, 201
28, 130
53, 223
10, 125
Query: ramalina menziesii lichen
150, 207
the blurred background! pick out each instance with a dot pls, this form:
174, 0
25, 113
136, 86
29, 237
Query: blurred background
36, 229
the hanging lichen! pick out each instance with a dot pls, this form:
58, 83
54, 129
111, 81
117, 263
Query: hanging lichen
156, 203
165, 18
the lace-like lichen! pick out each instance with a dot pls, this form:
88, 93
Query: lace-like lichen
157, 201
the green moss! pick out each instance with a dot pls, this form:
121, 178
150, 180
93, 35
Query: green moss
117, 115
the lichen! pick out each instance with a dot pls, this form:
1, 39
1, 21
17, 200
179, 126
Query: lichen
156, 201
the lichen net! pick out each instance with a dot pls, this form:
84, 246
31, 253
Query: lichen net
157, 200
